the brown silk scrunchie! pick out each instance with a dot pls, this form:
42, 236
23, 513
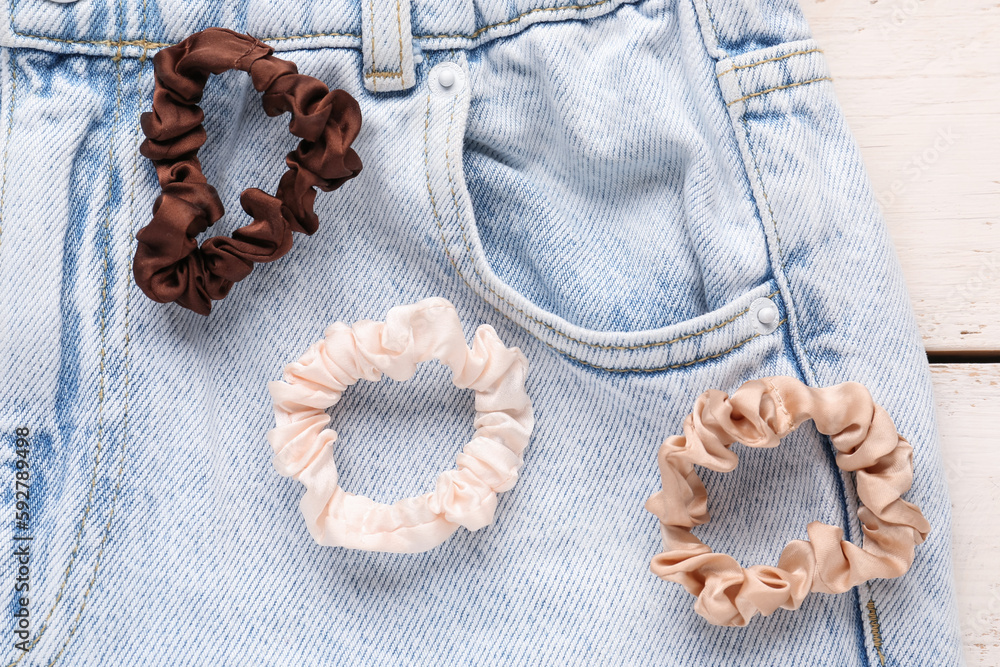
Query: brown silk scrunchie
759, 414
169, 265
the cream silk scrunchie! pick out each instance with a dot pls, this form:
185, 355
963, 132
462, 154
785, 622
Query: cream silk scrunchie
465, 496
758, 414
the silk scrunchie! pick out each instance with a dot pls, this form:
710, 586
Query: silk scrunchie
169, 265
487, 465
759, 414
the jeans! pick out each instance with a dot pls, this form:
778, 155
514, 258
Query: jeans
609, 184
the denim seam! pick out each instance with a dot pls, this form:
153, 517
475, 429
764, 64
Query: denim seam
6, 148
802, 356
516, 19
3, 192
711, 20
876, 629
147, 45
374, 75
845, 481
78, 540
127, 384
451, 259
767, 200
156, 45
399, 31
767, 60
313, 35
93, 481
784, 87
659, 369
430, 191
798, 348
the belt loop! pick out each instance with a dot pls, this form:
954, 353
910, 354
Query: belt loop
387, 45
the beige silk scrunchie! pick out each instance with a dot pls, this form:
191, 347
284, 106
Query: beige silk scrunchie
759, 414
464, 496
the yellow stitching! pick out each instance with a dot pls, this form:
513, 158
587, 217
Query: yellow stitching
99, 42
767, 200
661, 368
517, 18
147, 45
10, 127
142, 59
771, 90
760, 176
374, 74
763, 189
100, 394
128, 347
679, 338
876, 630
155, 45
447, 252
427, 168
399, 30
715, 29
312, 35
769, 60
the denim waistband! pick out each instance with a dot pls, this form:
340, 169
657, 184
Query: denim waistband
133, 28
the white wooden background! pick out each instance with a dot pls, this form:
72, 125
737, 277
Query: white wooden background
919, 81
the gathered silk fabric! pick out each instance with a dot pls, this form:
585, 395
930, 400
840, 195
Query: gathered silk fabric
487, 465
759, 414
169, 265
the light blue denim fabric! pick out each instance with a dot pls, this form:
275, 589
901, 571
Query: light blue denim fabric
610, 185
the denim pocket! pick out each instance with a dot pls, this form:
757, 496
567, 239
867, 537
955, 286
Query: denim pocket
609, 218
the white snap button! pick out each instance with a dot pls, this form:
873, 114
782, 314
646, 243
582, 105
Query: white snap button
447, 78
63, 2
764, 315
767, 314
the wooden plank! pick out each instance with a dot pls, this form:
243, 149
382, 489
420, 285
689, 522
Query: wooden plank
919, 84
967, 398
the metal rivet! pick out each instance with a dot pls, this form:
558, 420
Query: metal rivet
447, 78
764, 315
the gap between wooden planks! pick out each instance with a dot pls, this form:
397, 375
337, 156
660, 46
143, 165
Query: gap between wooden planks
967, 399
919, 81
